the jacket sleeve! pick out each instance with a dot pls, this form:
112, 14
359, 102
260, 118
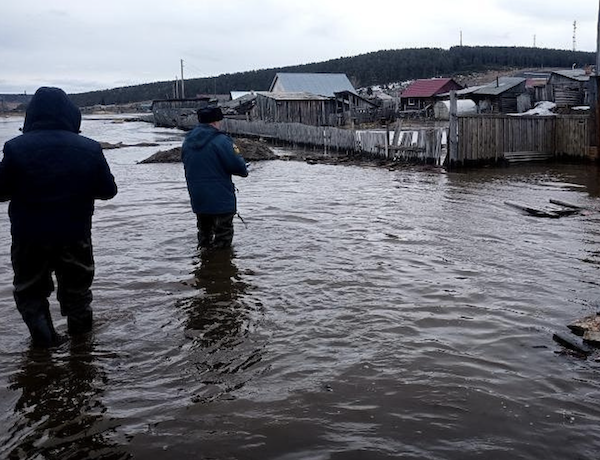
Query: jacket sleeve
105, 187
6, 185
233, 163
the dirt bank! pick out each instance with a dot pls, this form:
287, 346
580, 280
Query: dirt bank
250, 149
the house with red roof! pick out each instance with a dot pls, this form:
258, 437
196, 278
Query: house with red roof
421, 94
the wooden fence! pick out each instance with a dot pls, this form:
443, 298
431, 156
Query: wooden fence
494, 138
481, 139
419, 145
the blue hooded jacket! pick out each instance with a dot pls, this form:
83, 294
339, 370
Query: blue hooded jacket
209, 161
51, 174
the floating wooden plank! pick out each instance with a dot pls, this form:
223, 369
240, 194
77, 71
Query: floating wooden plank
568, 205
566, 212
572, 344
533, 211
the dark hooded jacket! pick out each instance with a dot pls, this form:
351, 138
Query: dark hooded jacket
209, 161
51, 174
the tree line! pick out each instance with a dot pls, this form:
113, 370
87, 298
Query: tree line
376, 68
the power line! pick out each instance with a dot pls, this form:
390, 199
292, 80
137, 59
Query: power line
194, 68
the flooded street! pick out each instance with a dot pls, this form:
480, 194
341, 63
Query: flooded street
362, 314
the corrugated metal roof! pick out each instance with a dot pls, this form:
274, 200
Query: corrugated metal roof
462, 92
573, 74
501, 85
323, 84
425, 88
293, 96
237, 94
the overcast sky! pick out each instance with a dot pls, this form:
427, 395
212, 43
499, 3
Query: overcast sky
83, 45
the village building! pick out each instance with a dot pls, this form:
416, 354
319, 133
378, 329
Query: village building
569, 88
503, 95
353, 108
421, 94
290, 107
318, 99
536, 84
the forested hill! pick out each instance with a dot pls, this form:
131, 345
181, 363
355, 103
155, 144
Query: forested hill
379, 67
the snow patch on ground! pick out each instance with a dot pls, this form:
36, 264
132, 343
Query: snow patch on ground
542, 108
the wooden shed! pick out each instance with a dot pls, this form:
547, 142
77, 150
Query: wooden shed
569, 87
500, 96
306, 108
352, 107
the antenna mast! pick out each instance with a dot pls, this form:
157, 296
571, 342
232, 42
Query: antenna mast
574, 35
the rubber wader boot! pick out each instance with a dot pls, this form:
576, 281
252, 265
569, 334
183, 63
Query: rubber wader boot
80, 323
42, 332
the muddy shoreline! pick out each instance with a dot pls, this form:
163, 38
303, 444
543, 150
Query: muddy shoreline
259, 150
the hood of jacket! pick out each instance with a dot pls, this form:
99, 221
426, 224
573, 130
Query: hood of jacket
51, 108
202, 135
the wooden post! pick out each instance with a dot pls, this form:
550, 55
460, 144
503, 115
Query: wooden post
453, 130
397, 131
387, 140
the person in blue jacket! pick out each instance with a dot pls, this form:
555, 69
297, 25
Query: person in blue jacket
210, 159
51, 175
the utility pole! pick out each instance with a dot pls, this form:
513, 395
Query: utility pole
461, 38
598, 44
182, 85
574, 35
596, 99
534, 40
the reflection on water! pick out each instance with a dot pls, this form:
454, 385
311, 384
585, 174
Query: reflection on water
60, 414
215, 315
364, 313
218, 322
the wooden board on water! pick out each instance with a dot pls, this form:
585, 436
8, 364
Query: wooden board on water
533, 211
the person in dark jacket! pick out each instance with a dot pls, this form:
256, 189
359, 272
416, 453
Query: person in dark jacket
52, 175
210, 159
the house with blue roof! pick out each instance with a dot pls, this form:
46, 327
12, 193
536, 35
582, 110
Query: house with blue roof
319, 99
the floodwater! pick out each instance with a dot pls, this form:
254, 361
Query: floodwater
363, 314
